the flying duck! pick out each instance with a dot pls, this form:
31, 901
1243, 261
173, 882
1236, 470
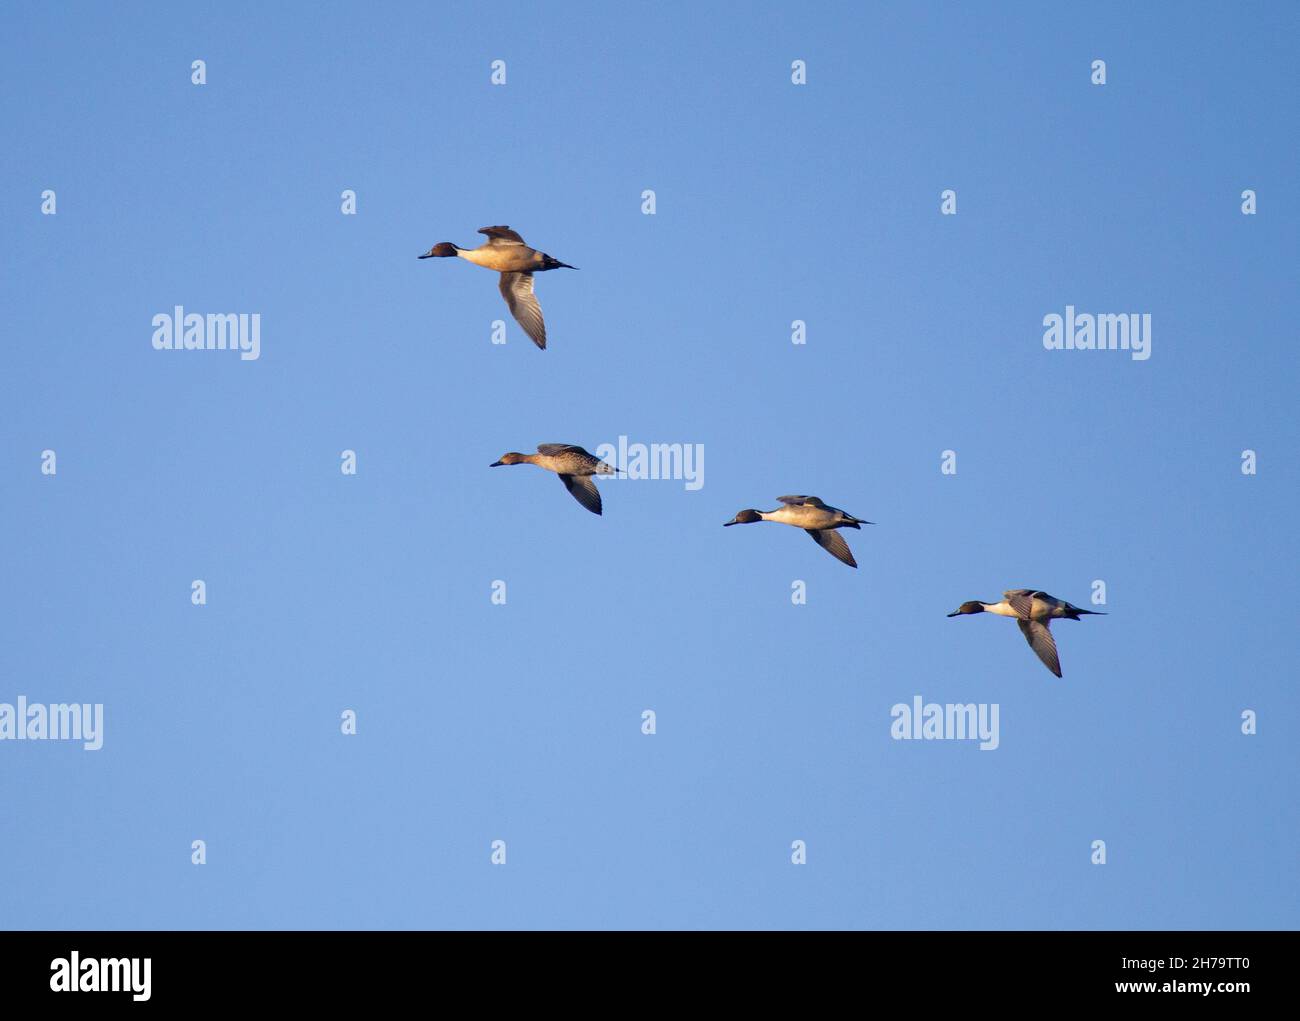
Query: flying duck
814, 517
1033, 610
505, 252
574, 465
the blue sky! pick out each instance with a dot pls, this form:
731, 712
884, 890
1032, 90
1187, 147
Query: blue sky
775, 202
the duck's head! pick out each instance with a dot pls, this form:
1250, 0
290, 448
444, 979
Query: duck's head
510, 458
745, 517
974, 606
442, 250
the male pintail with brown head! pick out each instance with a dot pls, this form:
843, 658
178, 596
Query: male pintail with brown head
1033, 610
814, 517
505, 252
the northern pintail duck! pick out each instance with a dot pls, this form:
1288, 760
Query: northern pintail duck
505, 252
574, 465
814, 517
1033, 611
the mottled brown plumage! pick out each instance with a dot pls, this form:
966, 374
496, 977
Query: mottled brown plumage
572, 464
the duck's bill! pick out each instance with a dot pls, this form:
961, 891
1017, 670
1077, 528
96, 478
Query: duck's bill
955, 613
727, 524
494, 464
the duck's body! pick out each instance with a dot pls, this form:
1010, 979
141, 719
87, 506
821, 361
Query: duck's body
1028, 604
572, 464
1034, 611
816, 518
809, 516
505, 258
505, 252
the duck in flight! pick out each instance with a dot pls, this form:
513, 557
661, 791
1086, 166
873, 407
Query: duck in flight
1033, 611
574, 465
814, 517
505, 252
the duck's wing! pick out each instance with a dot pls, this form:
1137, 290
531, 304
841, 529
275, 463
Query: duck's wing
833, 543
501, 236
1040, 639
800, 501
583, 490
1021, 600
559, 448
517, 289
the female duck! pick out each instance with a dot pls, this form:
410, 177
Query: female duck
574, 465
505, 252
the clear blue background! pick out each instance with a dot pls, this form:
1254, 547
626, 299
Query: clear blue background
522, 722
